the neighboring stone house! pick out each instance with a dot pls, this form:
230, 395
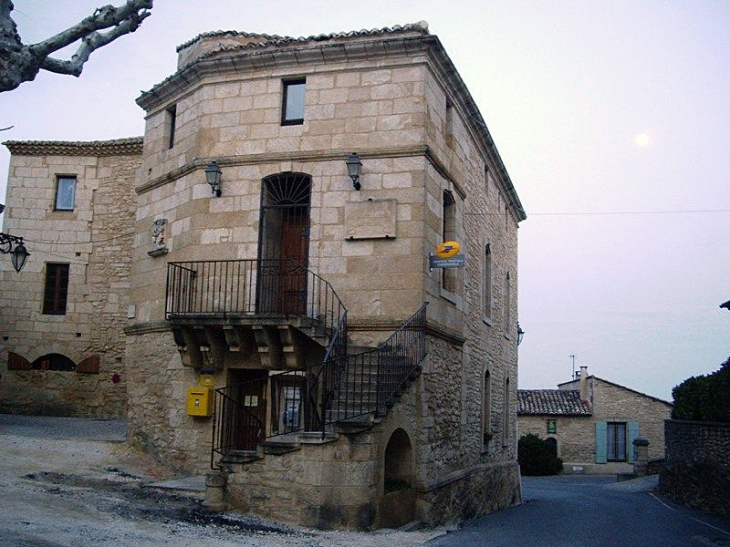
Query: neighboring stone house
593, 423
61, 317
287, 326
561, 416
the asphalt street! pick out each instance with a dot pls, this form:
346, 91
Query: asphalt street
590, 511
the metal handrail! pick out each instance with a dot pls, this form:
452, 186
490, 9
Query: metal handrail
342, 387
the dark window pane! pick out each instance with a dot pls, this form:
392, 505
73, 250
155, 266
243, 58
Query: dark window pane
56, 289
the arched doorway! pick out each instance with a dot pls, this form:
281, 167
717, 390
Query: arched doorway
284, 243
398, 504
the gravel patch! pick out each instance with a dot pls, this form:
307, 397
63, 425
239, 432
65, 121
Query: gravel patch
78, 492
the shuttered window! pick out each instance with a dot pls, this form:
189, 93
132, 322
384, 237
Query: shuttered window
615, 441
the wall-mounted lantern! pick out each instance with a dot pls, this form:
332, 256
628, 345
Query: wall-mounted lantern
520, 334
354, 167
213, 176
18, 254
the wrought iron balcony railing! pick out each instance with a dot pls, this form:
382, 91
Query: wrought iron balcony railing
230, 289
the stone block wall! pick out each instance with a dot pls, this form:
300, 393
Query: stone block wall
95, 239
157, 420
696, 471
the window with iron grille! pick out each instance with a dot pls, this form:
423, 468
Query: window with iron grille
56, 289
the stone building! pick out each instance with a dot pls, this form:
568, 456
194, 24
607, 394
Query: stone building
299, 292
286, 325
593, 423
62, 316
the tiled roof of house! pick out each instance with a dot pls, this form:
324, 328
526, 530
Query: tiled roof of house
117, 147
259, 40
552, 402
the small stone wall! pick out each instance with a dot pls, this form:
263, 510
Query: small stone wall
696, 472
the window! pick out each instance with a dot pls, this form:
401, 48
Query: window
616, 442
448, 275
487, 281
56, 289
65, 193
486, 180
449, 121
170, 121
292, 112
505, 414
487, 408
507, 305
291, 403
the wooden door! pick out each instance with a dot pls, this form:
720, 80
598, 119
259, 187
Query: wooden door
294, 260
284, 243
250, 415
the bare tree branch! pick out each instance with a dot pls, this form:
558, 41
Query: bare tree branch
21, 63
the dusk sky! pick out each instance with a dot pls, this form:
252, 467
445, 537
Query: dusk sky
612, 118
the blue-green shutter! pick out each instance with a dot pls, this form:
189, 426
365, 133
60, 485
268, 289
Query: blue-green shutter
601, 442
633, 433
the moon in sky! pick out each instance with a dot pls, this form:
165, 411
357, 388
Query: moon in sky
642, 140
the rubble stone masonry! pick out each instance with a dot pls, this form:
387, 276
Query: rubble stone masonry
95, 240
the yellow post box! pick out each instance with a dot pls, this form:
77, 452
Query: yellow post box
200, 402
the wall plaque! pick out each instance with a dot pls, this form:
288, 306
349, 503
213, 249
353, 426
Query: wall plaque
371, 219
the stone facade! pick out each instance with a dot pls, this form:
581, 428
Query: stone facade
394, 97
576, 435
93, 236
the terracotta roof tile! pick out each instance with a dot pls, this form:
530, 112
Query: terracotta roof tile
262, 40
117, 147
552, 402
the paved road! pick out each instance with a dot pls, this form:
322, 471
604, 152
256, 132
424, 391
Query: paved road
89, 429
587, 511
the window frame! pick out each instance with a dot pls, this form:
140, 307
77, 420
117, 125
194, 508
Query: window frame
487, 289
55, 288
170, 125
507, 306
487, 433
506, 413
287, 101
448, 233
61, 189
613, 444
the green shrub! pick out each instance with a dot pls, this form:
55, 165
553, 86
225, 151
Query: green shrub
704, 398
537, 457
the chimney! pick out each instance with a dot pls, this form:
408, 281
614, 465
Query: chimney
583, 377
